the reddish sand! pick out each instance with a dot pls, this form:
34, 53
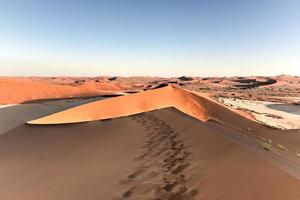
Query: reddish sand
190, 103
206, 151
19, 90
22, 89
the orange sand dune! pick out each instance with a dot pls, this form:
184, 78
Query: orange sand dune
19, 90
190, 103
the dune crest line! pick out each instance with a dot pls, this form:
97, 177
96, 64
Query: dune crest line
187, 102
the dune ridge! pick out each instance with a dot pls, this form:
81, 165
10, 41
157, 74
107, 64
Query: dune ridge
193, 104
123, 158
164, 154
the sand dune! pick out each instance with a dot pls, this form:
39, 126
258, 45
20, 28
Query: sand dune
206, 151
191, 103
163, 154
22, 89
19, 90
194, 105
16, 115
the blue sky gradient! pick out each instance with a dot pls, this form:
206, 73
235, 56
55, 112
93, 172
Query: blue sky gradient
157, 37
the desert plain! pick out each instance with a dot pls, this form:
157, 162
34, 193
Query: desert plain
180, 138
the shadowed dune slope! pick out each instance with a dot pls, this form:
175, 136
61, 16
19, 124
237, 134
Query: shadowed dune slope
190, 103
164, 154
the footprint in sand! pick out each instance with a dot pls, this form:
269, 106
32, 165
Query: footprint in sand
161, 165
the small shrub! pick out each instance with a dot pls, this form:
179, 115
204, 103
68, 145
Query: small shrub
280, 146
266, 146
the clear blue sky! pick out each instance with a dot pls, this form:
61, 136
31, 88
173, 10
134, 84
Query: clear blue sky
149, 37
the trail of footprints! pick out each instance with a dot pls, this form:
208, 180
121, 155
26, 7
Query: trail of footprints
162, 166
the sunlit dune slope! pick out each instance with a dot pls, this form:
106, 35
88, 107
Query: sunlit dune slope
18, 90
190, 103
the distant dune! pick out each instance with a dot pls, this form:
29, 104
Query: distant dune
22, 89
19, 90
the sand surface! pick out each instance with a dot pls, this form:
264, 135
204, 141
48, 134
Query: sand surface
22, 89
200, 107
191, 103
7, 105
200, 150
15, 90
12, 116
161, 154
169, 96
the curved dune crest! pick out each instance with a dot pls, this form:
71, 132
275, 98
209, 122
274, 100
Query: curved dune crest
190, 103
